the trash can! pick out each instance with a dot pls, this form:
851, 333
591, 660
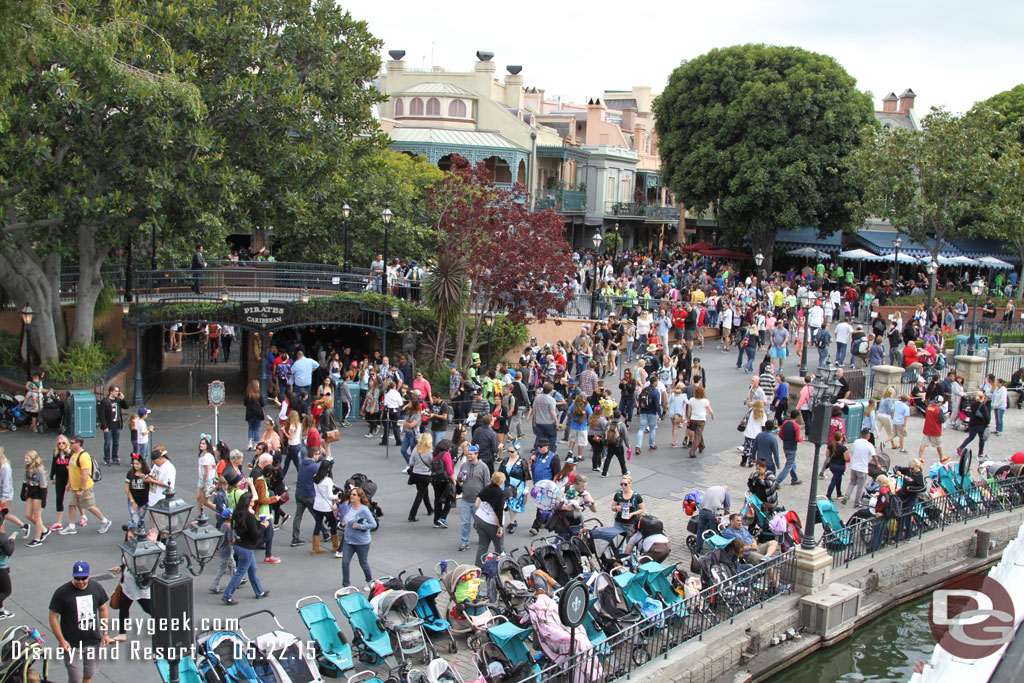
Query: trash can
82, 413
853, 416
339, 387
962, 343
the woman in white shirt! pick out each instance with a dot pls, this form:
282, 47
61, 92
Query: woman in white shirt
677, 412
726, 327
207, 470
698, 407
755, 423
324, 501
999, 403
643, 327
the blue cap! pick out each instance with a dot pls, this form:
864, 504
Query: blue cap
80, 570
225, 512
474, 449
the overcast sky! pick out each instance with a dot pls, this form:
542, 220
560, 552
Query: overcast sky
950, 53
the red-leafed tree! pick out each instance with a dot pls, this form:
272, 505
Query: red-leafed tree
494, 255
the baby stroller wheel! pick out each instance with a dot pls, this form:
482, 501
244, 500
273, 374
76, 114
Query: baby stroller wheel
14, 427
474, 642
453, 647
640, 655
691, 541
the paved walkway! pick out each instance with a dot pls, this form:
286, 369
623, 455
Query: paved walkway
662, 477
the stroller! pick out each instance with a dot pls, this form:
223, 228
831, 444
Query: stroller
12, 414
427, 589
494, 666
188, 671
396, 610
280, 656
369, 487
470, 613
51, 415
554, 639
334, 654
716, 570
369, 637
613, 614
22, 652
225, 659
839, 536
512, 586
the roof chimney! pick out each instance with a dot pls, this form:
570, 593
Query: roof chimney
889, 103
396, 63
907, 101
514, 87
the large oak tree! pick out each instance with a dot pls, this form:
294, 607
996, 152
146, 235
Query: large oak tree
758, 133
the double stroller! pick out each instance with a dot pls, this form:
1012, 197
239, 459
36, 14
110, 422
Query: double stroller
470, 613
12, 412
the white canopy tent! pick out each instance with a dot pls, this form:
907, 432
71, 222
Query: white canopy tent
993, 262
861, 255
809, 252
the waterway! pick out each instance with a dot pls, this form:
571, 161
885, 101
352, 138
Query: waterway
884, 649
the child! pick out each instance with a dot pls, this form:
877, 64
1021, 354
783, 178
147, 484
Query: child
225, 549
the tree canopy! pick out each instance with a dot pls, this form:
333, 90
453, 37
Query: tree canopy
1010, 103
758, 133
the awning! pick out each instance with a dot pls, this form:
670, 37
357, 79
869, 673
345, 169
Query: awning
809, 252
698, 246
977, 248
992, 262
880, 242
808, 237
725, 253
860, 255
950, 260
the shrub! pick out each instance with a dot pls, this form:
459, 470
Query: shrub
79, 364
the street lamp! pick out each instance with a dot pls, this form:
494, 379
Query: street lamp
26, 320
304, 297
126, 307
896, 244
385, 216
758, 260
977, 289
805, 303
824, 389
224, 295
346, 211
618, 239
140, 556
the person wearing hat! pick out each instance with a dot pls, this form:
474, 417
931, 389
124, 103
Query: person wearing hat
162, 475
913, 486
78, 619
143, 431
473, 475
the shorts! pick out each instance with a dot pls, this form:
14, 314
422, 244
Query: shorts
678, 419
208, 490
677, 333
933, 441
900, 430
754, 557
84, 664
776, 352
688, 335
578, 437
86, 500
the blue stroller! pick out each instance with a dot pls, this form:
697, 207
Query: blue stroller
427, 589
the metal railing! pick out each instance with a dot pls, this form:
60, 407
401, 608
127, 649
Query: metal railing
959, 506
561, 200
656, 635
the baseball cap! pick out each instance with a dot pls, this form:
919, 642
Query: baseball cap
143, 412
453, 366
474, 449
225, 512
80, 570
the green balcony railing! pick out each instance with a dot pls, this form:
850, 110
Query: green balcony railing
561, 200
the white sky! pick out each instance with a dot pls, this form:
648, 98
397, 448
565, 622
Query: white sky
949, 53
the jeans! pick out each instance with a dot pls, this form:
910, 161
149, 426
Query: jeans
144, 450
789, 468
486, 534
546, 431
626, 408
750, 351
254, 429
999, 419
906, 526
705, 520
302, 503
840, 353
975, 432
822, 356
267, 540
226, 568
877, 534
465, 519
112, 439
408, 443
292, 454
837, 480
438, 436
649, 421
363, 553
246, 566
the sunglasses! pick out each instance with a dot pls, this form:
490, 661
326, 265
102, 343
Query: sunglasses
623, 483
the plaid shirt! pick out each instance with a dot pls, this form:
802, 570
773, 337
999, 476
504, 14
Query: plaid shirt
587, 382
454, 382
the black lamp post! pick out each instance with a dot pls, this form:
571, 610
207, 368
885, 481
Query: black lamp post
802, 370
758, 260
304, 296
346, 211
977, 289
173, 601
126, 309
385, 216
618, 239
26, 321
597, 239
896, 244
824, 389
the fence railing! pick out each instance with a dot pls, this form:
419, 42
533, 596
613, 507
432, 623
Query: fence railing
958, 506
636, 644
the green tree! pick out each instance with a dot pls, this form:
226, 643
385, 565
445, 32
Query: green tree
759, 133
1006, 212
1010, 103
937, 183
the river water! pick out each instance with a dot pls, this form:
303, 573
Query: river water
884, 649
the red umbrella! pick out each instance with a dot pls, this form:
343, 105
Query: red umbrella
725, 253
698, 246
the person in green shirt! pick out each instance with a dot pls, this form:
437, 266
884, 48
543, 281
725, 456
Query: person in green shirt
820, 269
474, 369
487, 386
838, 272
849, 277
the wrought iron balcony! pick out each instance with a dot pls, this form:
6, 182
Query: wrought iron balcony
563, 201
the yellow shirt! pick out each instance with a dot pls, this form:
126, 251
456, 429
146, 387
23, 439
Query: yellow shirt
697, 296
78, 464
777, 298
607, 407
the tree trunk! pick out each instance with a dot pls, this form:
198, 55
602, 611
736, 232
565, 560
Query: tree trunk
1020, 280
90, 261
935, 275
37, 284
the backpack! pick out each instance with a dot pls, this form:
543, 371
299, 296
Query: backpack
97, 473
438, 472
862, 347
821, 339
893, 507
646, 400
650, 525
613, 436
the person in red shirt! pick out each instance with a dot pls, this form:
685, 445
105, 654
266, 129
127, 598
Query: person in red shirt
933, 419
910, 354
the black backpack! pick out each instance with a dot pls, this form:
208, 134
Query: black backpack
650, 525
438, 472
821, 339
893, 507
646, 400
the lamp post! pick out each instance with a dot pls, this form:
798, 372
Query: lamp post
977, 289
598, 238
896, 244
802, 370
125, 309
304, 296
346, 210
823, 392
385, 216
394, 312
618, 239
26, 321
173, 601
758, 260
224, 295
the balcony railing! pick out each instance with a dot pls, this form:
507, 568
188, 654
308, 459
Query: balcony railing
652, 212
561, 200
662, 213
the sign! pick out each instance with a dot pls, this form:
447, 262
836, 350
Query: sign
264, 316
572, 606
215, 393
971, 616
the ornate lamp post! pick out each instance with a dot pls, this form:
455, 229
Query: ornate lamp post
896, 244
346, 211
224, 295
26, 321
824, 389
618, 239
598, 239
977, 289
758, 260
805, 304
385, 216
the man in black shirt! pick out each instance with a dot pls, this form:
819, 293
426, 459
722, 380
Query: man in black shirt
111, 423
79, 619
438, 417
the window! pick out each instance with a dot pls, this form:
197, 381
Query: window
457, 109
399, 107
416, 107
433, 107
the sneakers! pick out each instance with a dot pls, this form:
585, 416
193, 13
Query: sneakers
82, 521
35, 543
262, 595
46, 532
944, 459
297, 542
4, 614
68, 530
271, 560
533, 532
443, 523
675, 444
339, 555
105, 526
26, 530
405, 470
56, 527
464, 547
438, 525
229, 601
216, 591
